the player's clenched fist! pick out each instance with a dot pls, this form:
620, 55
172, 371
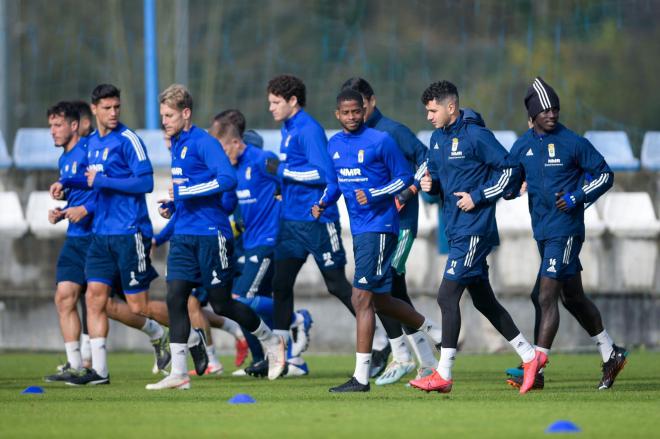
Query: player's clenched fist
317, 210
426, 183
56, 191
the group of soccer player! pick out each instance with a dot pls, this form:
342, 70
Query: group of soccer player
285, 208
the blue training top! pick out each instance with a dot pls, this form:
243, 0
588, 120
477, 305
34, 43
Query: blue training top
201, 172
371, 161
559, 162
73, 165
256, 189
415, 153
304, 168
124, 175
466, 157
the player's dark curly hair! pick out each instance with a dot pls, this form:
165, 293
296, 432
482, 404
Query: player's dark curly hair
439, 91
348, 94
288, 86
65, 109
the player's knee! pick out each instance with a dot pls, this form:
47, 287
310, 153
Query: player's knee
96, 297
362, 300
66, 299
176, 301
336, 282
140, 308
221, 301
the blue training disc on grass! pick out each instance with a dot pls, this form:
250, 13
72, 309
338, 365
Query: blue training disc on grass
241, 398
562, 426
33, 390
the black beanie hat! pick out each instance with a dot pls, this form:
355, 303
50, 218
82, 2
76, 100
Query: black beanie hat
540, 97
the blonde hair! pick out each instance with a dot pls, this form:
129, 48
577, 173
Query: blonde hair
176, 96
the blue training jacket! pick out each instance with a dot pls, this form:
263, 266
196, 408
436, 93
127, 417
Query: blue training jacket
124, 175
304, 168
466, 157
553, 163
256, 189
415, 154
369, 160
201, 172
73, 165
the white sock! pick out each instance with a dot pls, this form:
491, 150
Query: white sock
432, 329
400, 351
524, 349
423, 350
298, 361
447, 358
362, 367
605, 344
546, 351
85, 348
193, 338
73, 354
268, 337
233, 328
153, 330
99, 356
298, 319
213, 358
380, 339
179, 358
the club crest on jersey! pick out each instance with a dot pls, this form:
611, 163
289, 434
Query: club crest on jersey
105, 154
455, 153
183, 152
248, 173
74, 167
361, 156
552, 161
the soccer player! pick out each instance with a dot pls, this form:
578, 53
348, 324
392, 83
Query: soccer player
199, 316
63, 121
553, 161
303, 168
369, 170
201, 246
407, 201
468, 166
120, 173
260, 212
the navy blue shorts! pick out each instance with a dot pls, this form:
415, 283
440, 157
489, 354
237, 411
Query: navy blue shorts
123, 257
297, 239
71, 262
373, 260
466, 261
257, 276
560, 257
202, 259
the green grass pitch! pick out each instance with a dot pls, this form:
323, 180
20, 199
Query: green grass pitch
480, 405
